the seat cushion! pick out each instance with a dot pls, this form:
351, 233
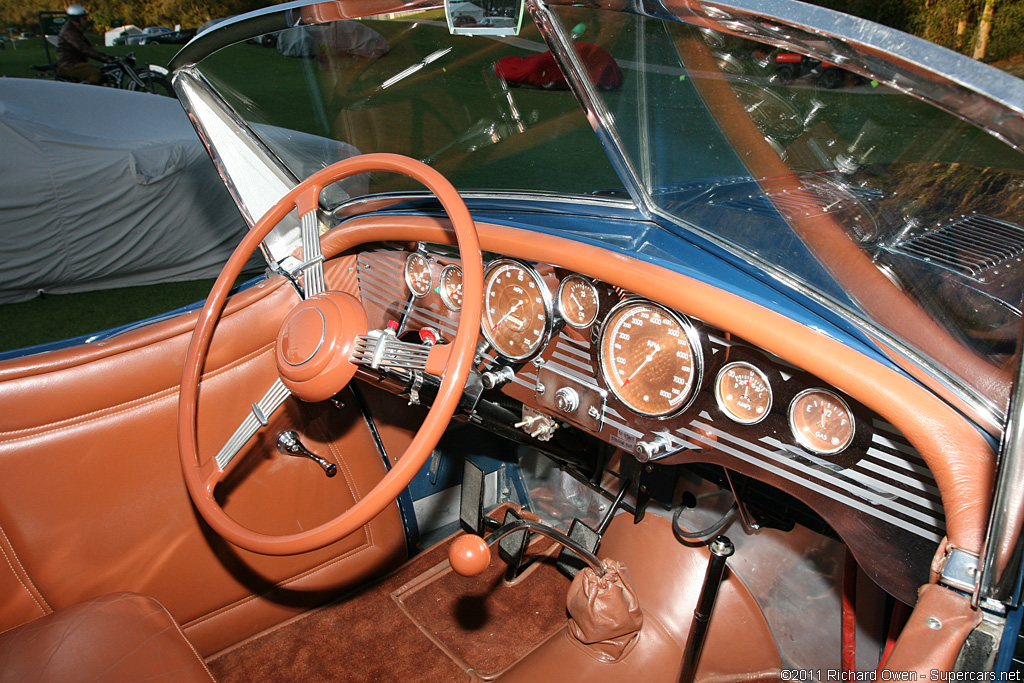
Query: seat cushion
114, 638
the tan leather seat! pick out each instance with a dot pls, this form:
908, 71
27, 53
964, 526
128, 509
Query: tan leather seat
114, 638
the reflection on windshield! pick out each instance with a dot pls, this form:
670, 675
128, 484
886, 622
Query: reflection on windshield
897, 210
902, 213
404, 85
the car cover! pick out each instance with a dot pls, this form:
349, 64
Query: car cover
105, 188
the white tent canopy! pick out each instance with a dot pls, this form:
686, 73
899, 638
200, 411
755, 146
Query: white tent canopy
104, 188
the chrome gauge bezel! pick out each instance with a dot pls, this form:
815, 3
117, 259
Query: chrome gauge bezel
558, 299
802, 440
443, 291
724, 407
546, 300
696, 351
408, 280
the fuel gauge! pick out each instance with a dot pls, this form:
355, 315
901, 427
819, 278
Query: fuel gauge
821, 421
743, 392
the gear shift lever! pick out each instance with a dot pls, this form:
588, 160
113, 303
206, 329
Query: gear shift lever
471, 555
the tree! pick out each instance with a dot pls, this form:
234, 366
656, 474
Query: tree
984, 29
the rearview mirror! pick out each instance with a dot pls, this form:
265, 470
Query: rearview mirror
484, 17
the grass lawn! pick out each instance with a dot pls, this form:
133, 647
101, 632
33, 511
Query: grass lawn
55, 317
61, 316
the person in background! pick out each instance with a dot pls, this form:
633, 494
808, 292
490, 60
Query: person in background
74, 50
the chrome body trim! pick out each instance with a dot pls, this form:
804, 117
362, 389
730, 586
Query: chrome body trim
1001, 554
254, 176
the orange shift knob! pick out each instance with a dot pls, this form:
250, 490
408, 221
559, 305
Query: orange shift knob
469, 555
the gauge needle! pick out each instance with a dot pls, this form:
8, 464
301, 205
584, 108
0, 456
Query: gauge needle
575, 300
647, 360
746, 389
823, 416
504, 317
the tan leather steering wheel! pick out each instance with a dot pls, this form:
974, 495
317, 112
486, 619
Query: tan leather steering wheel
313, 352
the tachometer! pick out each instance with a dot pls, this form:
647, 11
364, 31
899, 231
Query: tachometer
517, 309
450, 287
417, 274
743, 393
651, 358
577, 301
821, 421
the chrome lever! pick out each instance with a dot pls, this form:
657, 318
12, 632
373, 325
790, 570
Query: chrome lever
288, 444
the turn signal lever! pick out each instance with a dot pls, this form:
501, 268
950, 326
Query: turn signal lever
288, 444
470, 555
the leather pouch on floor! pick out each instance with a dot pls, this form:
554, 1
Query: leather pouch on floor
605, 612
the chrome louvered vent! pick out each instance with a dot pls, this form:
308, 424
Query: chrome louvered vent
974, 246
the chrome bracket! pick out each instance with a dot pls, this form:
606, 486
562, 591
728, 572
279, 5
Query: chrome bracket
960, 571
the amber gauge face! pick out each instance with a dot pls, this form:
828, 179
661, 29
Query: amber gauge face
821, 421
577, 301
451, 287
743, 393
417, 274
650, 358
517, 309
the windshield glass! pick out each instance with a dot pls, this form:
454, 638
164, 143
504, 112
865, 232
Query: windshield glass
402, 84
900, 213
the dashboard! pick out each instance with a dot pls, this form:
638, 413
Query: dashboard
583, 355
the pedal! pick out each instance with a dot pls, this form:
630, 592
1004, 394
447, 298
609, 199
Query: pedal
471, 502
569, 563
512, 547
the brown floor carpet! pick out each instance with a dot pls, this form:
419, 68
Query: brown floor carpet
421, 623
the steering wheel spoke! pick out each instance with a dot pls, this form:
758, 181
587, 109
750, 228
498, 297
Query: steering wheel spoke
312, 259
258, 417
320, 344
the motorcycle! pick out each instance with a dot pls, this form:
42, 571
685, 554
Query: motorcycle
122, 72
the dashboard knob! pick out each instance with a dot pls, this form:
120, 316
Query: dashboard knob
649, 450
567, 400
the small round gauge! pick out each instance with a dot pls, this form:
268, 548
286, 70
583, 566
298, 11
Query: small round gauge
577, 301
743, 393
517, 309
821, 421
650, 358
417, 274
451, 287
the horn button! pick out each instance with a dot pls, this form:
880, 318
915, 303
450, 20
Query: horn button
315, 343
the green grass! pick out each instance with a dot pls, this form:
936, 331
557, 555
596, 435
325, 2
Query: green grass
60, 316
16, 59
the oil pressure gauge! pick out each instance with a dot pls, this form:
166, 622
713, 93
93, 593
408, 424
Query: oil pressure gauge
417, 274
743, 393
821, 421
450, 287
577, 301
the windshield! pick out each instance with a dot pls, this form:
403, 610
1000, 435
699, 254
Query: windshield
405, 85
898, 212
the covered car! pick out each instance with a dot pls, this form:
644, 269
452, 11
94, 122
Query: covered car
702, 377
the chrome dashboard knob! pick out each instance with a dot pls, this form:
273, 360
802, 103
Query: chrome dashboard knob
567, 400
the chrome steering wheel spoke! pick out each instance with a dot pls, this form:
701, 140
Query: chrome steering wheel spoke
258, 417
312, 265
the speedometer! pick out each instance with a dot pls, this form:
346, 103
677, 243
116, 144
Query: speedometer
651, 358
517, 309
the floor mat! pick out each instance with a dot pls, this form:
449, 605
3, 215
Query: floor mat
421, 623
480, 622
